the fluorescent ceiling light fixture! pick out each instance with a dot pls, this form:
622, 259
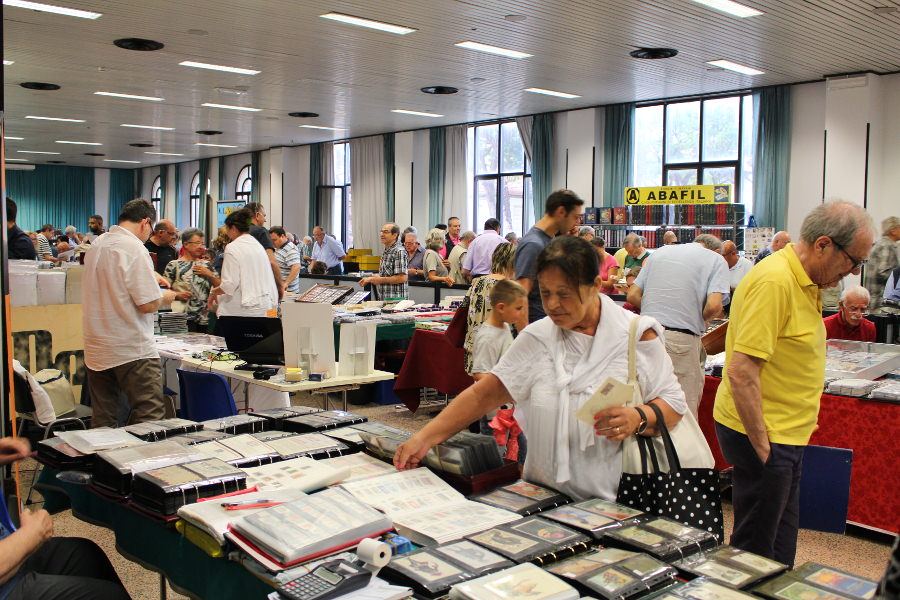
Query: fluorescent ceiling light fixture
493, 49
36, 152
148, 127
164, 153
200, 65
360, 22
230, 107
131, 162
551, 93
17, 159
322, 127
732, 8
9, 62
12, 137
733, 66
59, 10
415, 113
215, 145
79, 143
129, 96
54, 119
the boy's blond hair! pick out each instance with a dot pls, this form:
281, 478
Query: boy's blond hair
507, 291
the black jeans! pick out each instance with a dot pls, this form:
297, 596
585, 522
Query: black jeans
337, 269
68, 569
766, 497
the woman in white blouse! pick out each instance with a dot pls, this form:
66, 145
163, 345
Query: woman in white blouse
553, 367
247, 288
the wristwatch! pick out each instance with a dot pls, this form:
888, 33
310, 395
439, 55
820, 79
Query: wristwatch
643, 426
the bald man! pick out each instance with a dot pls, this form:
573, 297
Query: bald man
669, 238
738, 266
160, 244
781, 239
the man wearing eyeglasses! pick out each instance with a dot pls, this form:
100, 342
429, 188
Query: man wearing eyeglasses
768, 403
850, 322
392, 279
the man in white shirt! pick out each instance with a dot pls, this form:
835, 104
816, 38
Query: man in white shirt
120, 296
738, 266
456, 256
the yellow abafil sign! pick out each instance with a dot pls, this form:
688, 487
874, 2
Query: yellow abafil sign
678, 194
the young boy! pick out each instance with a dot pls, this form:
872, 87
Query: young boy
509, 305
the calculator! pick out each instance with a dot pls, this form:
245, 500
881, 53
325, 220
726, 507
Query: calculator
330, 580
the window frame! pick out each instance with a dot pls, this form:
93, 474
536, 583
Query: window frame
498, 176
239, 184
346, 199
156, 194
194, 195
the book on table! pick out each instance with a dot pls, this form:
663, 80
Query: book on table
163, 491
613, 573
593, 516
96, 440
521, 581
705, 589
235, 424
56, 453
424, 508
293, 445
320, 421
523, 497
275, 416
114, 470
152, 431
814, 581
309, 527
242, 450
302, 473
532, 539
361, 466
199, 437
730, 566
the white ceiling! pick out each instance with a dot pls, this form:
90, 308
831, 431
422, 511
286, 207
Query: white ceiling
353, 77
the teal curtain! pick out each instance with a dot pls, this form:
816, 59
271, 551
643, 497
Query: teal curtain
203, 221
618, 153
163, 179
224, 193
121, 190
389, 175
315, 175
257, 176
772, 160
542, 162
51, 194
179, 219
437, 172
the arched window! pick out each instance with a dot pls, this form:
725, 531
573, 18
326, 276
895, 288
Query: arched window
156, 195
195, 199
244, 184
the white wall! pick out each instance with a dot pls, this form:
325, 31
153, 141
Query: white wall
807, 148
101, 197
420, 150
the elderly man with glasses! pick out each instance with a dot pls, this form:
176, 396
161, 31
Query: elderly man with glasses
850, 322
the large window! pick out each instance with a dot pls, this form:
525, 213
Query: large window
706, 141
156, 195
243, 187
335, 202
195, 199
501, 177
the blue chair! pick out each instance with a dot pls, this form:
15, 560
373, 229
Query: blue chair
205, 396
5, 520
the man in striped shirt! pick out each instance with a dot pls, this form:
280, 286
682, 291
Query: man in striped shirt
288, 259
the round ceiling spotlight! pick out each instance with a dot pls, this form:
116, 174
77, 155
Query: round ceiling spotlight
440, 89
38, 85
139, 44
94, 154
141, 145
478, 80
303, 115
653, 53
208, 132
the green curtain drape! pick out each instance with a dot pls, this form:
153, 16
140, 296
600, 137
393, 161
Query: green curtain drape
542, 161
121, 190
163, 179
772, 160
315, 175
51, 194
437, 172
203, 222
179, 198
224, 192
257, 176
389, 175
618, 153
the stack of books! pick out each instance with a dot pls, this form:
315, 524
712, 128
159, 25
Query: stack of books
151, 431
237, 424
114, 470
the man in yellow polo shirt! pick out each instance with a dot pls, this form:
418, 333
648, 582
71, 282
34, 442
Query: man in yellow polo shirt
767, 406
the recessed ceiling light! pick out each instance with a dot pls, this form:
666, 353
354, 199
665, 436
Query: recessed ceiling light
733, 66
215, 145
230, 107
439, 89
884, 10
8, 62
200, 65
493, 49
208, 132
155, 127
16, 159
732, 8
515, 18
129, 96
321, 127
551, 93
40, 86
198, 32
94, 154
12, 137
141, 145
303, 115
478, 80
653, 53
164, 153
139, 44
56, 162
416, 113
59, 10
131, 162
54, 119
36, 152
79, 143
368, 23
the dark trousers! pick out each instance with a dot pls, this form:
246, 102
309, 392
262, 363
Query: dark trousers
766, 497
337, 269
68, 569
140, 381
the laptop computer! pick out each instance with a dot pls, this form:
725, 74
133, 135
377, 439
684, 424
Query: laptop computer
256, 340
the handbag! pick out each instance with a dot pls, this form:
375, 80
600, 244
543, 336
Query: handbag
671, 474
456, 331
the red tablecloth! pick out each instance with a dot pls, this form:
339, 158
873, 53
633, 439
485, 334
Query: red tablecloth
870, 429
430, 361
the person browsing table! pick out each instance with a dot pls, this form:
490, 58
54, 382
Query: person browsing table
328, 250
391, 281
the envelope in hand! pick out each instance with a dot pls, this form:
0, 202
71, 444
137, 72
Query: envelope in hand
611, 392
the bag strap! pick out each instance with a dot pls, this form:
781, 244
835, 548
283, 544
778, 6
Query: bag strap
632, 346
671, 453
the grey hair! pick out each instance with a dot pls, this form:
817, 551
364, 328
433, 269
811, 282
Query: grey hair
190, 232
435, 239
630, 239
856, 290
838, 220
467, 236
709, 241
412, 230
889, 224
511, 236
585, 229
